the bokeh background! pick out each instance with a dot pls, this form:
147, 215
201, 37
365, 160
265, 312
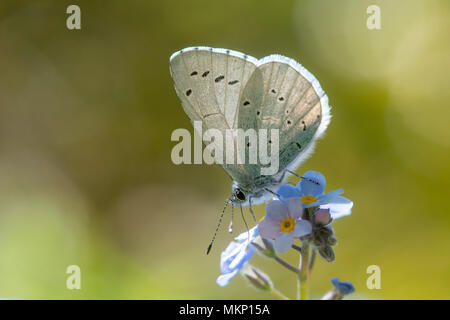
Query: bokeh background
85, 122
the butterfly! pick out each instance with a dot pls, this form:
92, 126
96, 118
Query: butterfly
227, 89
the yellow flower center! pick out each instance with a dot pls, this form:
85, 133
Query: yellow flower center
308, 199
287, 225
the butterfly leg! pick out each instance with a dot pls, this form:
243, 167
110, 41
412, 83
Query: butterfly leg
293, 173
300, 177
273, 192
251, 209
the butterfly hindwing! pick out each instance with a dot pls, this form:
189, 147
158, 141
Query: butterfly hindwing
293, 103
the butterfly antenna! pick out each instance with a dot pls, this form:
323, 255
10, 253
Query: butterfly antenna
230, 228
251, 209
217, 228
246, 225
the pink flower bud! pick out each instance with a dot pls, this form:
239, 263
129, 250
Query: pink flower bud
322, 217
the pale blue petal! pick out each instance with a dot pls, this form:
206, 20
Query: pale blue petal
287, 191
238, 259
283, 243
302, 228
340, 207
223, 279
244, 235
229, 255
295, 207
310, 188
329, 197
235, 256
269, 229
344, 287
276, 210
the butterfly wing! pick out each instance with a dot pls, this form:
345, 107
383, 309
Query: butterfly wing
209, 83
226, 89
289, 98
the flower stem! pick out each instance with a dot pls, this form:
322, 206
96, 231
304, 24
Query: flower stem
278, 294
286, 264
296, 247
311, 262
281, 261
302, 290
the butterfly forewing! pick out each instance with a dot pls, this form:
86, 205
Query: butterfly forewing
209, 83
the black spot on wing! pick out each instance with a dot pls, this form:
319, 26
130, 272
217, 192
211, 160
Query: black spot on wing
219, 78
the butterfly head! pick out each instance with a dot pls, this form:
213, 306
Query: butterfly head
238, 196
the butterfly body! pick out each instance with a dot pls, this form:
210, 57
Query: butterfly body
228, 90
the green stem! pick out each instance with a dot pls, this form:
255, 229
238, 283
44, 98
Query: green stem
286, 264
296, 247
302, 290
311, 262
281, 261
278, 294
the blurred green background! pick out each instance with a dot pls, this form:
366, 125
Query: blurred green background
85, 122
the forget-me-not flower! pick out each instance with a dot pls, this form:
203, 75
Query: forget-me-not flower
283, 223
310, 191
343, 287
236, 255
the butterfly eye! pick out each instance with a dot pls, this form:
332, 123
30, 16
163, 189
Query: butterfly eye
240, 195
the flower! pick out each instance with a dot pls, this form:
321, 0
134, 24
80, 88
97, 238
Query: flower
236, 255
343, 287
310, 191
283, 223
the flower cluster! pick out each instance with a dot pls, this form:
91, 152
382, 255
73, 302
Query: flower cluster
305, 211
302, 212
